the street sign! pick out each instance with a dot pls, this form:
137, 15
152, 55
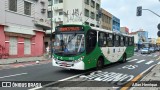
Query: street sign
158, 33
139, 11
158, 26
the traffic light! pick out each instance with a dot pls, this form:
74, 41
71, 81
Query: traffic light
158, 26
158, 33
139, 11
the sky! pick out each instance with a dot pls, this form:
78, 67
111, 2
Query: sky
125, 10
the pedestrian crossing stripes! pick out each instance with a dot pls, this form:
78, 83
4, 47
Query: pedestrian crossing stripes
149, 62
150, 55
140, 61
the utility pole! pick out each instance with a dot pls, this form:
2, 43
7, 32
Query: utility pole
51, 28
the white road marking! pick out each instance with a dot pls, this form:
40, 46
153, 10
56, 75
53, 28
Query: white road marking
14, 75
36, 88
149, 62
133, 60
149, 55
155, 55
140, 61
143, 55
158, 63
147, 69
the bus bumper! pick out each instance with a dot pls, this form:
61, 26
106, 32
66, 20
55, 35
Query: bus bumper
76, 66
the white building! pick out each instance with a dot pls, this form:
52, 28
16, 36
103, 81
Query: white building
75, 12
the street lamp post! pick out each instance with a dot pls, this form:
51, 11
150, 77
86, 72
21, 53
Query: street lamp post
51, 27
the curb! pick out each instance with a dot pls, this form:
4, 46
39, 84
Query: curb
21, 60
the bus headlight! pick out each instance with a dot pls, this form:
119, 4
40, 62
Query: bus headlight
80, 59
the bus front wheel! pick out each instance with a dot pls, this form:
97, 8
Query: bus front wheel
100, 64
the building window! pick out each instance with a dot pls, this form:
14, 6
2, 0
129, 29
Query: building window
13, 46
56, 1
97, 6
49, 2
27, 8
60, 1
49, 14
27, 47
13, 5
86, 2
92, 15
92, 3
60, 13
92, 24
86, 11
97, 17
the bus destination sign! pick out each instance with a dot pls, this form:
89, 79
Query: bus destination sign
69, 28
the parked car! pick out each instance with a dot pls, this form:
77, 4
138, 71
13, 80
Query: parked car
145, 51
152, 49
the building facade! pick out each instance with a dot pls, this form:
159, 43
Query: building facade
115, 24
22, 26
124, 30
140, 37
106, 20
84, 12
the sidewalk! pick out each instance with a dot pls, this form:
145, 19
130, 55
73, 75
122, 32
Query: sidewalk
20, 60
153, 75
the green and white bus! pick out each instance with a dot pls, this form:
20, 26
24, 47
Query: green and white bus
83, 47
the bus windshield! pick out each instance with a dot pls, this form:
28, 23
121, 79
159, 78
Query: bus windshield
69, 44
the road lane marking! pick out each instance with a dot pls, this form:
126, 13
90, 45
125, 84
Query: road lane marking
128, 85
133, 60
140, 61
36, 88
158, 63
149, 62
14, 75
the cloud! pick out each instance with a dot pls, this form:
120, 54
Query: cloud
125, 10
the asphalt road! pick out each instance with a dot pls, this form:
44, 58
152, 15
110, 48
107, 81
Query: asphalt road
46, 72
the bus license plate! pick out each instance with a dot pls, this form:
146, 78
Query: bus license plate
64, 64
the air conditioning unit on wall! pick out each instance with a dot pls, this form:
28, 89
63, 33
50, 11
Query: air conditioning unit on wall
43, 10
43, 1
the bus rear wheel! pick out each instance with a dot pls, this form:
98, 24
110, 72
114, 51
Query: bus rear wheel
100, 64
124, 58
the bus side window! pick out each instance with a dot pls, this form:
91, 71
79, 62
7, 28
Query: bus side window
121, 41
102, 39
130, 41
110, 40
91, 40
116, 40
126, 41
